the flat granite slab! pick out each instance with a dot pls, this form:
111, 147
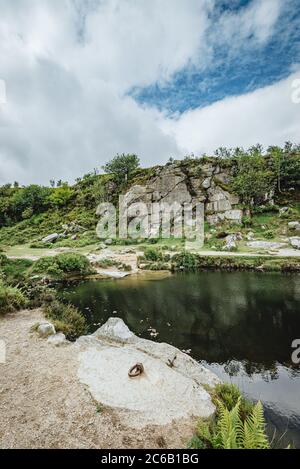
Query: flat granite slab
170, 388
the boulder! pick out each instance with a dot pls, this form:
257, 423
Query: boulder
108, 242
250, 236
283, 210
230, 243
51, 238
295, 242
172, 386
294, 225
45, 330
57, 339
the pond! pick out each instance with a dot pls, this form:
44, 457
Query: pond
240, 325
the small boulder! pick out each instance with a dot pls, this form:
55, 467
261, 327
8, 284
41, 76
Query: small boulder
115, 329
230, 243
108, 242
294, 225
51, 238
283, 210
250, 236
57, 339
45, 330
295, 242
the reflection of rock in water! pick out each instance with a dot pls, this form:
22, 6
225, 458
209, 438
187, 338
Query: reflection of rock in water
282, 427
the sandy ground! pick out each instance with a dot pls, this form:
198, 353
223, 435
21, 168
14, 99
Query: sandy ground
43, 405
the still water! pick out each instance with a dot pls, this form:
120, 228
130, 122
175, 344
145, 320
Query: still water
240, 325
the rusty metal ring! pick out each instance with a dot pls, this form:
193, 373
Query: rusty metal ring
136, 370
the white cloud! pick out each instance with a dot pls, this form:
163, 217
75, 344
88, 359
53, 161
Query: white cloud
68, 65
254, 23
267, 116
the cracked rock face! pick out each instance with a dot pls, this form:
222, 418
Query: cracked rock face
163, 393
173, 184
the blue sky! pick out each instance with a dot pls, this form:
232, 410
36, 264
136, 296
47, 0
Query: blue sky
250, 67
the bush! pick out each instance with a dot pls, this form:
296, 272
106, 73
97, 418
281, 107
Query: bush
229, 395
269, 234
11, 299
63, 265
66, 319
153, 255
184, 261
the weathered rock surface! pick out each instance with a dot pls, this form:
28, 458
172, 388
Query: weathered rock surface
51, 238
57, 339
295, 242
294, 225
45, 330
266, 245
161, 394
187, 184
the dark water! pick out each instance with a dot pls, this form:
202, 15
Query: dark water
240, 325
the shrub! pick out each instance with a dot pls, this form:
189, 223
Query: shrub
63, 264
152, 255
269, 234
66, 319
11, 299
184, 261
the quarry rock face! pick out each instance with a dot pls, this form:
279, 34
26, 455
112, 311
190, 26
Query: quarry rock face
172, 385
185, 184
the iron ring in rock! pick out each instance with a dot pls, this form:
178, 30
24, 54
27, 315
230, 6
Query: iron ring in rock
136, 370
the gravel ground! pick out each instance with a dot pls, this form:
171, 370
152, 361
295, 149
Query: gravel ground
43, 405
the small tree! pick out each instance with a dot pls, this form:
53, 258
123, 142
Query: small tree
122, 166
253, 178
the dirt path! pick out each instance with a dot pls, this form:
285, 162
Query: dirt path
43, 405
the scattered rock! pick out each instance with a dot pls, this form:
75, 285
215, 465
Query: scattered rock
57, 340
283, 210
51, 238
46, 330
101, 246
294, 225
230, 243
295, 242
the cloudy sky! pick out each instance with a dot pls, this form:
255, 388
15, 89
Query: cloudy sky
86, 79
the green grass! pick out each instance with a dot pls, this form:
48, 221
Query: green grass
11, 299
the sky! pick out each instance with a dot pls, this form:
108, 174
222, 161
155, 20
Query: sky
87, 79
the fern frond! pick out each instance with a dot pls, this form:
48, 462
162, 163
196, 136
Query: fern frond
254, 429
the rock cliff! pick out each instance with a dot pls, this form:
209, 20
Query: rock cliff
206, 183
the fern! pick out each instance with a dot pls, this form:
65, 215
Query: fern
233, 433
254, 430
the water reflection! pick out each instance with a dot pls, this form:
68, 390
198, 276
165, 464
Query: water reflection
240, 324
